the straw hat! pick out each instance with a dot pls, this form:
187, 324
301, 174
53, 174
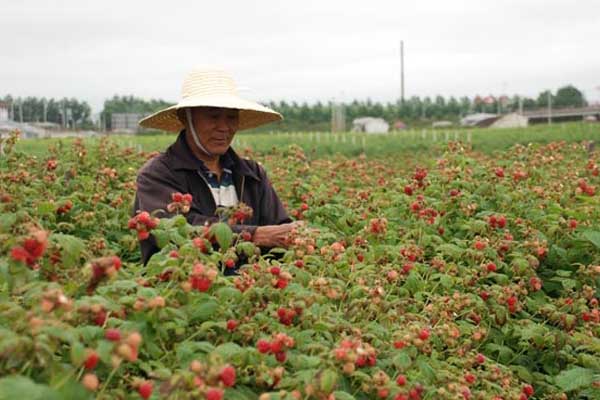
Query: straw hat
211, 87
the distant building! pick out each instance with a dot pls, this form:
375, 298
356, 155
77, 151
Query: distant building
3, 112
512, 120
399, 125
125, 122
370, 125
479, 120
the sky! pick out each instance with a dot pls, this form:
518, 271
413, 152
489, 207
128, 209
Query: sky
299, 50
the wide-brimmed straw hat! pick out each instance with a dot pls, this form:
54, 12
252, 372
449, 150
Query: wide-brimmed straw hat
211, 87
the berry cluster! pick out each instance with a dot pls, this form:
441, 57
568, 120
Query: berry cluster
143, 223
280, 342
201, 278
181, 203
584, 187
32, 249
212, 380
280, 278
353, 353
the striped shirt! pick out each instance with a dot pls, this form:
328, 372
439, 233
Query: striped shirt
223, 191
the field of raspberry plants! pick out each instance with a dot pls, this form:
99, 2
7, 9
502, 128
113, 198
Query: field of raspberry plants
464, 275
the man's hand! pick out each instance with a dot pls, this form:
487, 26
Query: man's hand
274, 235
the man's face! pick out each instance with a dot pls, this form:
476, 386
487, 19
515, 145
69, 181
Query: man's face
215, 127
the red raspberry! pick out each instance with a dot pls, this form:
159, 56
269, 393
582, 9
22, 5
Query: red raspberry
227, 375
275, 270
479, 358
276, 346
401, 380
263, 346
214, 394
145, 389
470, 378
177, 197
229, 263
299, 264
424, 334
491, 267
408, 190
528, 390
280, 356
113, 334
231, 325
91, 360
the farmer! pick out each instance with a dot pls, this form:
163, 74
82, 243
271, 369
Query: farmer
202, 163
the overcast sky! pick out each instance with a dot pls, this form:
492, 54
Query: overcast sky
299, 50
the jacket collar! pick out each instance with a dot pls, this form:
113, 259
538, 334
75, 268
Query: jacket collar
181, 157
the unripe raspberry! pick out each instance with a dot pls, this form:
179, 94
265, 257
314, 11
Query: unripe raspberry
90, 382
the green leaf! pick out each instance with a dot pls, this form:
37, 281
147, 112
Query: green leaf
161, 236
402, 360
426, 371
229, 350
72, 247
574, 378
339, 395
222, 232
203, 311
328, 380
77, 353
593, 237
20, 387
7, 220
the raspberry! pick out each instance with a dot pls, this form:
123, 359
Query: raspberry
90, 382
263, 346
91, 360
145, 389
177, 197
214, 394
479, 358
528, 390
401, 380
227, 375
424, 334
229, 263
275, 270
113, 334
231, 325
280, 356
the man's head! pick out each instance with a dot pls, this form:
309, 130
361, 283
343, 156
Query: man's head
214, 126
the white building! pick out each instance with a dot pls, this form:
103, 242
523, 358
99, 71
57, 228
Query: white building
3, 112
480, 119
370, 125
512, 120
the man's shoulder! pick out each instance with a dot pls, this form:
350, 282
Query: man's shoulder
155, 165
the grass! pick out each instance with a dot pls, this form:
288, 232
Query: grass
322, 144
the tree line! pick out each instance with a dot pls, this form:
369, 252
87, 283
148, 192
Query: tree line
301, 116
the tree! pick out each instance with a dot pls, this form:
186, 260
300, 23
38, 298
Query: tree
569, 96
542, 100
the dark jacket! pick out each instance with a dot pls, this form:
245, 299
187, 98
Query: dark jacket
178, 170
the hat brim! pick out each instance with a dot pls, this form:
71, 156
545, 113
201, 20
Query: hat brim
252, 114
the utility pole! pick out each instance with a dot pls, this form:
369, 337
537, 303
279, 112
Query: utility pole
402, 71
520, 105
21, 110
45, 110
549, 107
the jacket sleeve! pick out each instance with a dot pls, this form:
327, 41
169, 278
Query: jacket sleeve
272, 210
